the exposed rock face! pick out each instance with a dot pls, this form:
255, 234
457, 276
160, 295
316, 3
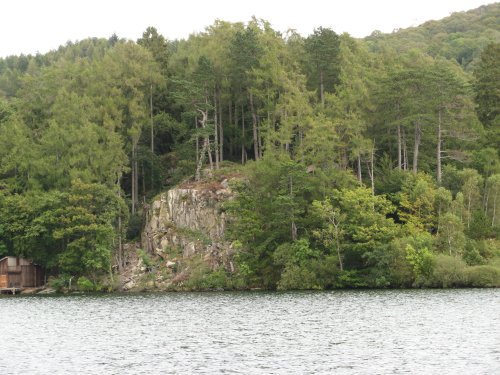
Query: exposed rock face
189, 220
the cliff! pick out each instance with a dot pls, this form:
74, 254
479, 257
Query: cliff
185, 223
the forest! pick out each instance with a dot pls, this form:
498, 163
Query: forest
368, 162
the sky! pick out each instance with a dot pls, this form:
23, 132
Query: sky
31, 26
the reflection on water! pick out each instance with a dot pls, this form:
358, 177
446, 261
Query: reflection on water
341, 332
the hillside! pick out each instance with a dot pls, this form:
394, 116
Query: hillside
367, 162
461, 36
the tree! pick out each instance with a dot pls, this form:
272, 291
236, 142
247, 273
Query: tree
487, 86
332, 234
322, 49
245, 51
86, 225
125, 76
471, 189
451, 236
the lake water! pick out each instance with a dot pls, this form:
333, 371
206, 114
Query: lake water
339, 332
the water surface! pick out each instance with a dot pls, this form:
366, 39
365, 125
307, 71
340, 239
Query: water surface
341, 332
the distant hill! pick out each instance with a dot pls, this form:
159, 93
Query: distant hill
461, 36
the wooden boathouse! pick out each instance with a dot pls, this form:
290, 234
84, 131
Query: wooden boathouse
19, 273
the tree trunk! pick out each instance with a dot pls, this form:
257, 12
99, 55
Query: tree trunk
469, 203
399, 148
341, 265
209, 152
371, 170
197, 140
120, 230
231, 147
416, 147
321, 89
242, 135
254, 129
360, 178
134, 177
494, 208
151, 118
143, 180
438, 151
216, 132
293, 226
204, 149
405, 152
221, 132
201, 160
152, 134
136, 180
132, 187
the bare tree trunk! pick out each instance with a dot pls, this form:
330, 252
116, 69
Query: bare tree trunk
216, 132
151, 118
209, 152
197, 140
136, 180
341, 265
205, 147
321, 89
242, 135
143, 180
132, 193
405, 152
371, 172
221, 131
152, 134
254, 129
134, 177
399, 147
120, 244
360, 178
259, 136
416, 147
469, 203
293, 226
201, 160
230, 107
335, 222
494, 208
438, 151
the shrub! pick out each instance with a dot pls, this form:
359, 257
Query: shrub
59, 283
483, 276
297, 278
449, 271
85, 285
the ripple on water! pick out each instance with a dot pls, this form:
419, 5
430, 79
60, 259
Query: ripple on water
341, 332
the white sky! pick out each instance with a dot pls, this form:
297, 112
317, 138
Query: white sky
30, 26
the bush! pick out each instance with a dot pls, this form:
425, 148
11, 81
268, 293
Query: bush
59, 283
483, 276
448, 272
85, 285
351, 279
201, 277
295, 277
472, 254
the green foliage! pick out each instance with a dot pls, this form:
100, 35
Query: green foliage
483, 276
449, 271
422, 262
59, 283
85, 285
363, 162
201, 277
487, 86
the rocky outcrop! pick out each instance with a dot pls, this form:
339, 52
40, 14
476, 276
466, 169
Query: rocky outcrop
189, 220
